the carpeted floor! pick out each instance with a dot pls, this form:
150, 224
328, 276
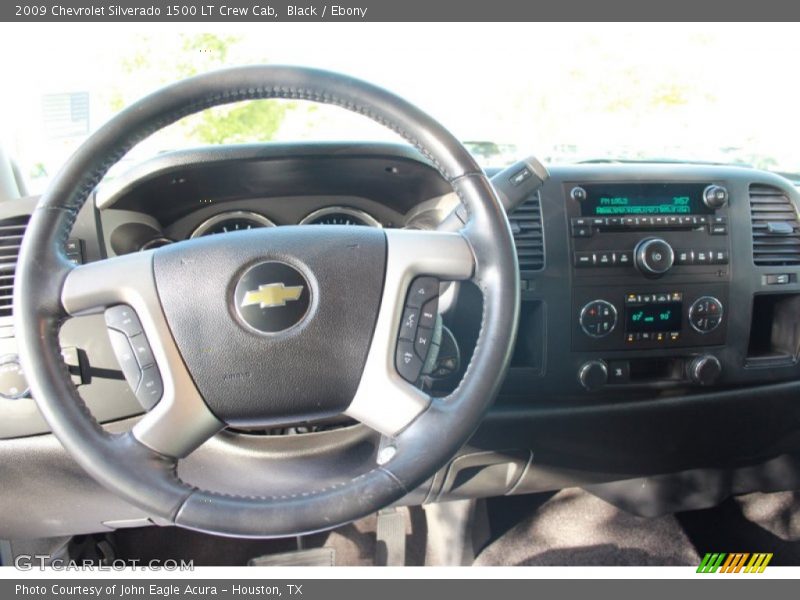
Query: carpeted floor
570, 527
573, 527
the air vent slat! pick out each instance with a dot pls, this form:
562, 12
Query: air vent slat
11, 232
771, 211
528, 235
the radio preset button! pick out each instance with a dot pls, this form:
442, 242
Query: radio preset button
584, 259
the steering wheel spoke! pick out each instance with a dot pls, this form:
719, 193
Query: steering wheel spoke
180, 421
384, 400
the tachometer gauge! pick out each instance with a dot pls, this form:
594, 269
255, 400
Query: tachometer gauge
340, 215
235, 220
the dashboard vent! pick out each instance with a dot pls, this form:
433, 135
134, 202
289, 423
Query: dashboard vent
11, 232
526, 225
776, 230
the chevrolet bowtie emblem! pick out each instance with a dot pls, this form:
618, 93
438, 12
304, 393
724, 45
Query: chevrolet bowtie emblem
272, 294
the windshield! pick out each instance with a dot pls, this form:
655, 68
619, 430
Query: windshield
564, 92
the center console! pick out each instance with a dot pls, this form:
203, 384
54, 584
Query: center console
650, 267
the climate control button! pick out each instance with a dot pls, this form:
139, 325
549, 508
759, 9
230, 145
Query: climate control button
705, 314
598, 318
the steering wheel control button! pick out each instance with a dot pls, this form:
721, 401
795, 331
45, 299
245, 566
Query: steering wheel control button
653, 257
126, 357
422, 289
123, 318
13, 384
422, 343
142, 351
428, 313
705, 314
598, 318
416, 336
150, 389
408, 364
272, 297
408, 327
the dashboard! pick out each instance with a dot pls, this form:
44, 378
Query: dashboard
660, 320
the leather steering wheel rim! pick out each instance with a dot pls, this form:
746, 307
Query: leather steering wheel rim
148, 478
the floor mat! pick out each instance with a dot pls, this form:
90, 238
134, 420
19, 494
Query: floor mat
573, 527
750, 523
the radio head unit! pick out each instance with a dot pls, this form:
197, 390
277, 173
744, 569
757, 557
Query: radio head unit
644, 200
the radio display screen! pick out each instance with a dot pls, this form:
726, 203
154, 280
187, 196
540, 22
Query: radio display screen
658, 317
626, 199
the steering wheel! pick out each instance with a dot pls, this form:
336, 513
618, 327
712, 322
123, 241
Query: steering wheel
268, 326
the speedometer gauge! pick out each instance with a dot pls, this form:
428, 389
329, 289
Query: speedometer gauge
340, 215
235, 220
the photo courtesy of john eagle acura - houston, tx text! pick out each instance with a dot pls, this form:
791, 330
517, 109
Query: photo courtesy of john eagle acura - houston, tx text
321, 294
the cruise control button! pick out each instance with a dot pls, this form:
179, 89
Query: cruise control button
427, 316
422, 289
125, 357
423, 342
408, 364
408, 328
123, 318
142, 350
150, 388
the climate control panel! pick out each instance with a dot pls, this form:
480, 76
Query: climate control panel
625, 319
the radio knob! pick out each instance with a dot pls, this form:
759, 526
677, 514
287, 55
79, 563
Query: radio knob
705, 369
653, 257
578, 194
593, 374
715, 196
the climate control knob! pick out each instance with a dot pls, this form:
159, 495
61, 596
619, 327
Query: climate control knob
705, 314
705, 369
715, 196
593, 374
598, 318
653, 257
